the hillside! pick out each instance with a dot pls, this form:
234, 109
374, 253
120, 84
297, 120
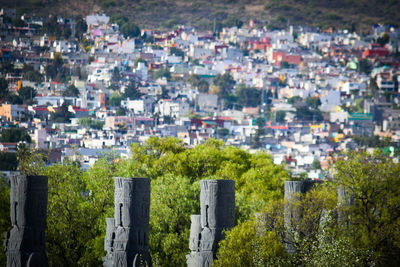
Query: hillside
203, 13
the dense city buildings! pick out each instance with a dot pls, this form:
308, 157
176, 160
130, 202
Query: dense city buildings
260, 117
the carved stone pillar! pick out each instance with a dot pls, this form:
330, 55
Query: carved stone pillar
127, 235
217, 205
26, 244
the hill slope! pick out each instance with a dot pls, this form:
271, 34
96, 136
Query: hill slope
203, 13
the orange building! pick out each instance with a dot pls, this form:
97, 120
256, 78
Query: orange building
12, 112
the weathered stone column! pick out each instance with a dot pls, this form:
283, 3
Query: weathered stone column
26, 244
217, 207
127, 236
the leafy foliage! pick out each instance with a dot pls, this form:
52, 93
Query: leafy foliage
247, 96
8, 161
115, 99
56, 69
5, 222
130, 30
224, 82
27, 94
280, 116
251, 246
91, 123
162, 72
33, 76
132, 91
374, 185
80, 201
62, 114
71, 91
14, 135
170, 216
3, 88
78, 205
361, 229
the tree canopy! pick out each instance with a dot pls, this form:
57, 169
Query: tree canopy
247, 96
71, 91
224, 84
27, 94
360, 228
79, 202
3, 88
14, 135
132, 91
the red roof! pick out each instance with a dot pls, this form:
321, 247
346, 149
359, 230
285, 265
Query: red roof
225, 118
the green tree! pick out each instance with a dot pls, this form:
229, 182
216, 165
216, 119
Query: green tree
17, 22
3, 88
5, 222
91, 123
280, 116
177, 52
33, 76
225, 84
27, 94
77, 207
294, 99
132, 91
15, 135
120, 111
67, 33
119, 19
315, 165
115, 99
284, 65
14, 99
193, 79
203, 86
313, 102
256, 142
116, 76
130, 30
80, 28
80, 201
249, 245
372, 182
30, 161
8, 161
247, 96
7, 67
162, 72
71, 91
62, 114
365, 66
257, 180
306, 114
56, 69
384, 39
170, 218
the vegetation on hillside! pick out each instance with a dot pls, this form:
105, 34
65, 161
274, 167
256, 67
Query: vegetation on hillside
349, 14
